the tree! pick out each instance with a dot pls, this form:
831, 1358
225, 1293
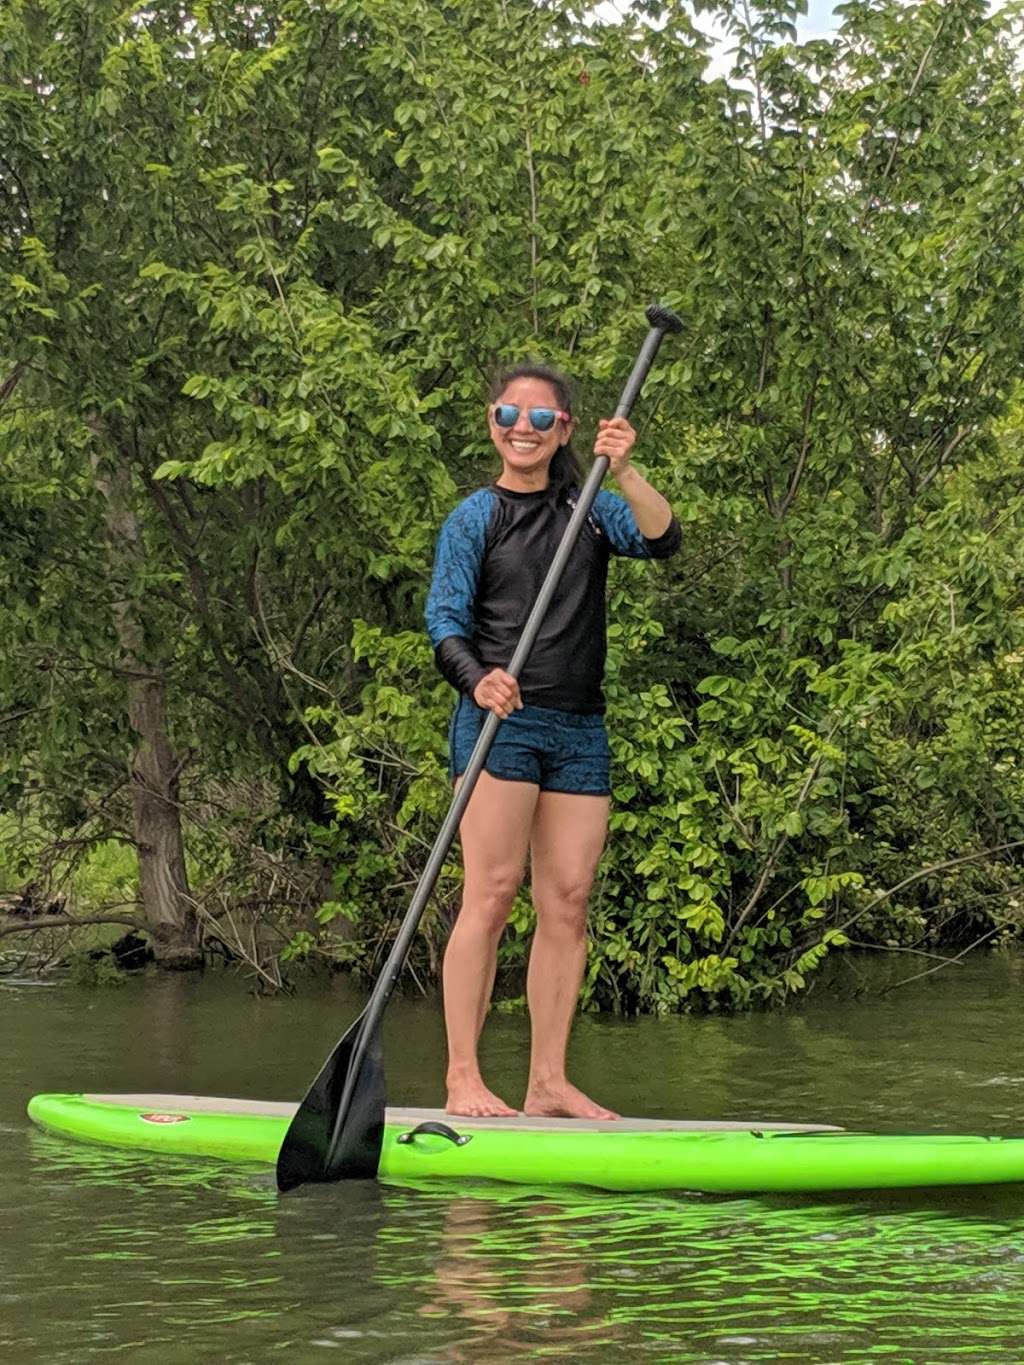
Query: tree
255, 263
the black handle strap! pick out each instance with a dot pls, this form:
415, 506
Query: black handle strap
432, 1128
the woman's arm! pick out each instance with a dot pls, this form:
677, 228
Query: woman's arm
449, 612
615, 439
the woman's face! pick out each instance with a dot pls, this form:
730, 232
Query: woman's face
523, 449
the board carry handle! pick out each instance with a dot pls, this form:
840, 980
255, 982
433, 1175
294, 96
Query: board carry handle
431, 1128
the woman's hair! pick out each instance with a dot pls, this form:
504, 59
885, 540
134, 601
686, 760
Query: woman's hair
564, 471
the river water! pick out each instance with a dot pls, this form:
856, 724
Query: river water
107, 1255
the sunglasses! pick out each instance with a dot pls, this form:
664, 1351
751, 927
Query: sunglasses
541, 419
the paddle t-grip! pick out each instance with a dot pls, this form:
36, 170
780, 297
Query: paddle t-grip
662, 320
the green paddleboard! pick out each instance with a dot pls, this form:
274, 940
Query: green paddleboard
627, 1154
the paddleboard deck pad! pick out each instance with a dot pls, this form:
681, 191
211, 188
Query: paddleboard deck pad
625, 1154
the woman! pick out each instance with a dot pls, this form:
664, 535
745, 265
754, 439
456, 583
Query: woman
545, 789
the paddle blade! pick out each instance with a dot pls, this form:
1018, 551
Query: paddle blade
338, 1128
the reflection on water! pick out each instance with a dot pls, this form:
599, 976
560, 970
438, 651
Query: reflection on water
179, 1259
694, 1279
510, 1279
107, 1254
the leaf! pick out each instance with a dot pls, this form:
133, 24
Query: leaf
714, 686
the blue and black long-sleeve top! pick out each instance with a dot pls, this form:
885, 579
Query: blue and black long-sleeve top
492, 555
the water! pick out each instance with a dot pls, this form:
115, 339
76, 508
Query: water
106, 1255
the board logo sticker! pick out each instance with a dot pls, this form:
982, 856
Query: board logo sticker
164, 1118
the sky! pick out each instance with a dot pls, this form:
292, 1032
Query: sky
818, 19
818, 22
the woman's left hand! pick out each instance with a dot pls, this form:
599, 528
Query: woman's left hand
615, 438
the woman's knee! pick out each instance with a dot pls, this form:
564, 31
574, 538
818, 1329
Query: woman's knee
561, 904
488, 899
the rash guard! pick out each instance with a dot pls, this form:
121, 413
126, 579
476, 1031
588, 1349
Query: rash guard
492, 555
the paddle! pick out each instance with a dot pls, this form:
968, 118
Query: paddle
337, 1131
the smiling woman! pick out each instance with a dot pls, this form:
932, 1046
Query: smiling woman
545, 790
531, 427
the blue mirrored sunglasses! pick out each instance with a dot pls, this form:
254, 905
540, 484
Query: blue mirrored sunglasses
541, 419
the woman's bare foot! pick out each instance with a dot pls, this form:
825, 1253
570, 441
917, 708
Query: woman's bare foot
469, 1098
563, 1101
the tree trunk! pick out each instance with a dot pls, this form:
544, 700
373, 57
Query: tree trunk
166, 899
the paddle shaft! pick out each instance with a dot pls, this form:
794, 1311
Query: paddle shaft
662, 321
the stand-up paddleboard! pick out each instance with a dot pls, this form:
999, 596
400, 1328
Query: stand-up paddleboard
625, 1154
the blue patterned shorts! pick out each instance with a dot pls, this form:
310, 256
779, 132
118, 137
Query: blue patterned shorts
558, 751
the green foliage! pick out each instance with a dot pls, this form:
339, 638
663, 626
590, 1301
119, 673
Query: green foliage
258, 260
94, 970
108, 875
382, 766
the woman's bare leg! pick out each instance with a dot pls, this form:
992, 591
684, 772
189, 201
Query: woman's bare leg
495, 836
568, 837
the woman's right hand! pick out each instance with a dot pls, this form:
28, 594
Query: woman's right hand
498, 691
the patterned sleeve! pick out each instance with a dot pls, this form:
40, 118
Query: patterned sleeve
615, 517
449, 612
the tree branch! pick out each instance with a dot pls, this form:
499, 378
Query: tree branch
31, 926
926, 872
